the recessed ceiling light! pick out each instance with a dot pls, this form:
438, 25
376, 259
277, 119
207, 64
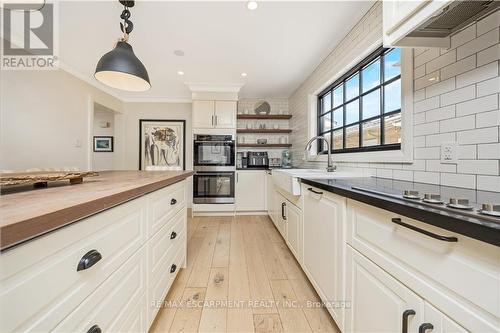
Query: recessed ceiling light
244, 74
180, 72
179, 53
252, 5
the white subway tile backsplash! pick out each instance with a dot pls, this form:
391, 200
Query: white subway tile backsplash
406, 175
480, 167
488, 55
426, 177
477, 75
463, 36
441, 61
437, 166
441, 113
487, 119
424, 129
476, 136
489, 151
458, 67
426, 81
457, 124
488, 183
440, 88
384, 173
467, 152
488, 23
425, 57
430, 153
427, 104
461, 104
459, 95
458, 180
477, 105
436, 139
480, 43
488, 87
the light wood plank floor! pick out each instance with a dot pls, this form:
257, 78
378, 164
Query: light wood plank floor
240, 277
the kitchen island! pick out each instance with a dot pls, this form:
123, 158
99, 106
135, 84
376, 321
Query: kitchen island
100, 256
27, 214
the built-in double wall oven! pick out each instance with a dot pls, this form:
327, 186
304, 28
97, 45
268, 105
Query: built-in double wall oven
214, 166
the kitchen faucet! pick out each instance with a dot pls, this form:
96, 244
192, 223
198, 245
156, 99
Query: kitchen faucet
330, 167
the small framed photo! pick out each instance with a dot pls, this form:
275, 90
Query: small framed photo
103, 144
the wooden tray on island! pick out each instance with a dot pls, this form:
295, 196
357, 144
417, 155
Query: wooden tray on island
41, 178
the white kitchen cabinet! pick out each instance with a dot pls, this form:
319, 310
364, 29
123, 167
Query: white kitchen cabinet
225, 114
439, 321
293, 220
269, 193
203, 114
250, 190
459, 278
401, 17
377, 302
279, 204
214, 114
324, 246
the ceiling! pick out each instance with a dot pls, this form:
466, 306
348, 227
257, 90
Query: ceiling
278, 45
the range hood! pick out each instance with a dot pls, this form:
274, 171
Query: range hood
455, 16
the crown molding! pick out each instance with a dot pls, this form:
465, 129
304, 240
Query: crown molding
158, 100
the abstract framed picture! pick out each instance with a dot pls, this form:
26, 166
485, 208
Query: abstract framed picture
103, 144
162, 144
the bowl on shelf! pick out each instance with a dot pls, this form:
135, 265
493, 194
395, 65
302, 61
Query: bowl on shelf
261, 141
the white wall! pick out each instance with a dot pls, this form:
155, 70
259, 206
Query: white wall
43, 115
104, 160
130, 127
462, 107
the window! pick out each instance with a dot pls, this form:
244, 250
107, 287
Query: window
361, 111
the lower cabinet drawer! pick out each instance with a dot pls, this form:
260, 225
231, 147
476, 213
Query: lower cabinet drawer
164, 204
118, 305
462, 279
166, 256
40, 283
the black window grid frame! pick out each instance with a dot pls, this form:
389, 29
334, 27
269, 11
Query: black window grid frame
370, 59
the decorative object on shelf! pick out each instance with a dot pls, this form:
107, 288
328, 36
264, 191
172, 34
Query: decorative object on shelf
41, 178
261, 141
276, 126
262, 126
162, 144
286, 159
120, 68
103, 144
247, 111
262, 108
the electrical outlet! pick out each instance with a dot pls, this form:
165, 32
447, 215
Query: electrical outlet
449, 152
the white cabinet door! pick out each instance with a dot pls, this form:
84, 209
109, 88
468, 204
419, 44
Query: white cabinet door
225, 114
203, 114
250, 190
377, 301
324, 245
293, 220
437, 322
279, 213
269, 193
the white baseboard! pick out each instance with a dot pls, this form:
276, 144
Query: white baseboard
259, 212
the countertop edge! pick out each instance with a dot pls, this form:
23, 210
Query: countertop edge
17, 233
477, 231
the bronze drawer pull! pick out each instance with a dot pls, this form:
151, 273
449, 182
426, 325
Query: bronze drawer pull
398, 221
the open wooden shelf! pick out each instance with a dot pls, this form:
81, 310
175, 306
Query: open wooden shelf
267, 145
265, 116
263, 130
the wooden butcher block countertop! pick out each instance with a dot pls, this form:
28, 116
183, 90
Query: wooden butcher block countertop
26, 214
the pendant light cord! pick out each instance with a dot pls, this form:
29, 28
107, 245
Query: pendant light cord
126, 26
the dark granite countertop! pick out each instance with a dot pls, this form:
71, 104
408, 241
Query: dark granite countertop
468, 223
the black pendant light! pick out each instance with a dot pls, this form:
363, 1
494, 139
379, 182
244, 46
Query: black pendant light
120, 68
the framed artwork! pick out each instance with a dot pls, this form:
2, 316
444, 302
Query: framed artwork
162, 144
103, 144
